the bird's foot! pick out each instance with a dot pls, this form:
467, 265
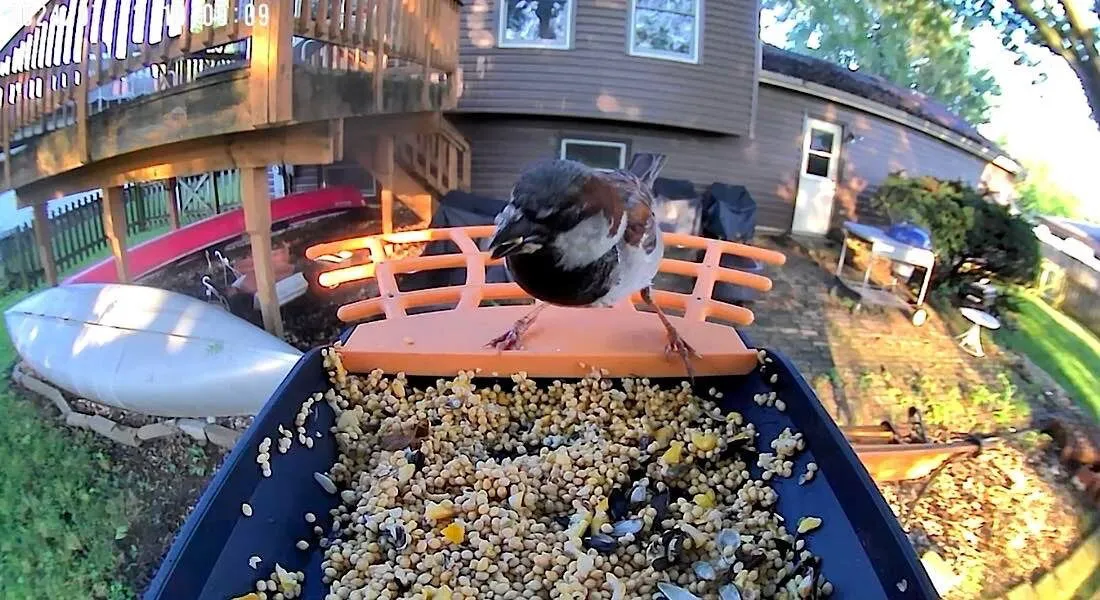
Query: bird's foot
679, 346
509, 340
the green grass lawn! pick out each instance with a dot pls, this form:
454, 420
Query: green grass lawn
61, 504
1061, 347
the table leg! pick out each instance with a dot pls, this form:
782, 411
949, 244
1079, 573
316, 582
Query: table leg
843, 251
971, 341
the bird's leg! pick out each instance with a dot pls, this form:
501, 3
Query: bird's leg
509, 340
676, 344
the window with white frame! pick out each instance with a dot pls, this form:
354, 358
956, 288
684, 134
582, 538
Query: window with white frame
605, 156
536, 24
667, 29
821, 149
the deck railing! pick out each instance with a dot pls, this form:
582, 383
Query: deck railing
441, 160
77, 55
77, 227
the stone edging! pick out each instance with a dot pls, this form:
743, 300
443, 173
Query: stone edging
1063, 580
198, 429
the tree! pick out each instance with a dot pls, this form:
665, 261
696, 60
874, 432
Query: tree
1040, 194
917, 44
972, 236
1068, 28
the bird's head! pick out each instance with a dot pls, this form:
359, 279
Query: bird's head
516, 234
560, 205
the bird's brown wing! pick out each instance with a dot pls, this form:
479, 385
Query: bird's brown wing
641, 222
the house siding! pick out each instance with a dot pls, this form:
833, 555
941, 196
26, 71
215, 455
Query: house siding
766, 164
598, 78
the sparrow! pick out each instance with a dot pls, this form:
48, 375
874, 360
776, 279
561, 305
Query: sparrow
571, 235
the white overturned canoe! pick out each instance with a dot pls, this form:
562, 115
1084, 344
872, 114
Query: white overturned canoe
148, 350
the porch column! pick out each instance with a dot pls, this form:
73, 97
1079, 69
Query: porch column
256, 202
43, 243
383, 174
114, 227
173, 200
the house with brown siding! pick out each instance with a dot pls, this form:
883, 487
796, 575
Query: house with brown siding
597, 80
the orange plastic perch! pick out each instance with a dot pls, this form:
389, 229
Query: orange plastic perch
563, 342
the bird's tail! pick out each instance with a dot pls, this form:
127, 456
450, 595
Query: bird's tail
647, 166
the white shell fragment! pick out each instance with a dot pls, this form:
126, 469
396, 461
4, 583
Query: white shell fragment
585, 564
704, 570
728, 538
618, 588
325, 483
806, 585
729, 592
628, 526
698, 538
638, 492
675, 592
254, 561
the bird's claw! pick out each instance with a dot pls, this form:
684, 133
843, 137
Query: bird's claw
677, 345
509, 340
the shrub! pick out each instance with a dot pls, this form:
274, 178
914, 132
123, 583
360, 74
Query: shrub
1003, 244
933, 204
972, 236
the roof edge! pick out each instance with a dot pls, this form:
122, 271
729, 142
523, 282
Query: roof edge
988, 152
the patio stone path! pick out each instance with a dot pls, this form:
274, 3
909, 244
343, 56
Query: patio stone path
834, 348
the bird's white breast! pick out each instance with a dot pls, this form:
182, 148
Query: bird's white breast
636, 270
585, 243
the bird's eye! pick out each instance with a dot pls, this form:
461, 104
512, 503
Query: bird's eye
545, 212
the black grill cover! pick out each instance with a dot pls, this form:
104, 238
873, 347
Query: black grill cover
674, 188
729, 213
457, 209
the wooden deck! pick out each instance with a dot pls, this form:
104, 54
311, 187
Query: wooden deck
100, 93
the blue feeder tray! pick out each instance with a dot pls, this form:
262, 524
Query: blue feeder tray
864, 552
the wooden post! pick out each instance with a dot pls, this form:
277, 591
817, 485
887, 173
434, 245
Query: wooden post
43, 243
173, 200
217, 197
383, 167
270, 92
382, 33
114, 227
467, 165
423, 205
452, 168
256, 202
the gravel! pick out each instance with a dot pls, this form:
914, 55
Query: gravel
997, 519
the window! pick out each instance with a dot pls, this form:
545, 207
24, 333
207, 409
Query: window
667, 29
822, 145
536, 24
605, 156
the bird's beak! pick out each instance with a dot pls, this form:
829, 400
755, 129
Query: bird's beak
502, 248
514, 236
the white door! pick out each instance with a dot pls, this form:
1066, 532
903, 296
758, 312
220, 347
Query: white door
813, 205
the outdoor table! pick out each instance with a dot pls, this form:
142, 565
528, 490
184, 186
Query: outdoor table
971, 340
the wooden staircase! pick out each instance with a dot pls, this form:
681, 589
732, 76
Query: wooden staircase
427, 163
438, 162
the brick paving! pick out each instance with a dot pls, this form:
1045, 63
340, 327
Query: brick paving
834, 348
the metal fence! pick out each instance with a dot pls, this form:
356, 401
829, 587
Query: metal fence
76, 230
1071, 286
